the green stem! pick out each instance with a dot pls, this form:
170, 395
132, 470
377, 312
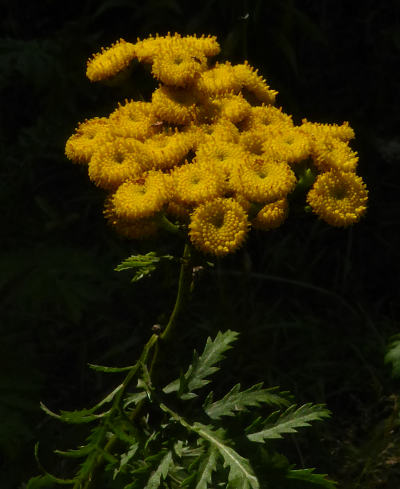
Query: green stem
153, 345
185, 279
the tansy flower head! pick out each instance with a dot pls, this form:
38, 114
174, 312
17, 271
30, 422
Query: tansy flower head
271, 216
233, 107
286, 143
197, 182
178, 211
221, 155
110, 61
218, 227
253, 140
263, 180
319, 131
129, 228
177, 66
219, 80
209, 150
330, 153
254, 83
165, 150
140, 198
206, 45
175, 105
339, 198
113, 163
88, 136
221, 130
134, 120
148, 49
261, 116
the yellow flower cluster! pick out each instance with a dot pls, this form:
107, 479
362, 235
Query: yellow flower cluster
210, 151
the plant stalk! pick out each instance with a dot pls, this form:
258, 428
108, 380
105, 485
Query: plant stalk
154, 345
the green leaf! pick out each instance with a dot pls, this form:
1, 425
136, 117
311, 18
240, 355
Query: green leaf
39, 482
207, 467
237, 400
83, 415
47, 476
393, 355
96, 441
145, 264
112, 370
134, 398
161, 472
126, 458
308, 475
77, 453
202, 366
289, 421
74, 417
241, 475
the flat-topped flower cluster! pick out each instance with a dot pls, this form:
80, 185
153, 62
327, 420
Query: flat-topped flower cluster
210, 151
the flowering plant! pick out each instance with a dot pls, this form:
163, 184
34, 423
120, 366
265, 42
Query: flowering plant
208, 158
210, 151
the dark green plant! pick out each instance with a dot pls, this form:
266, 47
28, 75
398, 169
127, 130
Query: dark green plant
148, 434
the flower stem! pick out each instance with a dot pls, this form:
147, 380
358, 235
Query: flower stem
154, 344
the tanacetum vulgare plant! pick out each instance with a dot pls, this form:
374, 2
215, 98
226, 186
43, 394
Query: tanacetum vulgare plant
208, 158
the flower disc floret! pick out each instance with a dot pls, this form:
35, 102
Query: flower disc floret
339, 198
218, 227
110, 61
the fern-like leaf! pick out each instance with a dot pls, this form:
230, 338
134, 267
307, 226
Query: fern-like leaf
161, 472
95, 443
241, 475
202, 366
74, 417
125, 458
207, 467
288, 422
144, 264
82, 415
308, 475
40, 482
236, 400
109, 370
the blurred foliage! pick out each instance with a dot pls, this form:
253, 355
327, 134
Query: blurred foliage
315, 305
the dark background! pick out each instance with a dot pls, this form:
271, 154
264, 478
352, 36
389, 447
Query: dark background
315, 306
